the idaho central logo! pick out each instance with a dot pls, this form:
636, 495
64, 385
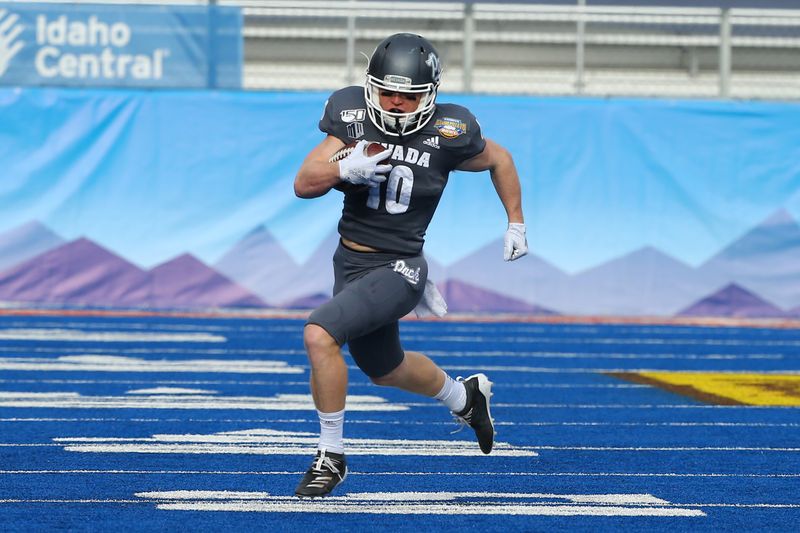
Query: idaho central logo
9, 44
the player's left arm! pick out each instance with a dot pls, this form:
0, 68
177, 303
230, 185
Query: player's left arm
498, 161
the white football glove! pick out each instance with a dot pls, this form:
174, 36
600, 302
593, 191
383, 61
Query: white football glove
432, 302
360, 169
515, 245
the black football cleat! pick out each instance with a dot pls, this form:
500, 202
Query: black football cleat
476, 414
326, 472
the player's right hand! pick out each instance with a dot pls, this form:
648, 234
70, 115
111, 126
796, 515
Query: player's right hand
358, 168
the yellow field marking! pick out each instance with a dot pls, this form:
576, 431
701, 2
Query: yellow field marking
724, 388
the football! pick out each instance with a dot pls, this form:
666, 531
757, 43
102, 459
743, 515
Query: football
371, 149
344, 151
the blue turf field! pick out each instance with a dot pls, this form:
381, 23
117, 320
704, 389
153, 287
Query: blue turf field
169, 423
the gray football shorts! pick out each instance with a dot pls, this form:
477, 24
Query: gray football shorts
371, 292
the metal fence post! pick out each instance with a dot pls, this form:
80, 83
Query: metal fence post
468, 51
580, 52
725, 52
351, 43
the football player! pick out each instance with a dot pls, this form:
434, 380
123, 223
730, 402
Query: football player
380, 274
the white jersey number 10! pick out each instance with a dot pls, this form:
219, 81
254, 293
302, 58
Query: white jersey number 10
398, 191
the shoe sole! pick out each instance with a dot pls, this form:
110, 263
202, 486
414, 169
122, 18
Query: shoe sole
485, 386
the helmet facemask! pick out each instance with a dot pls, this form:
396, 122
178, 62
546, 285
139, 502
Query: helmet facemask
399, 123
402, 63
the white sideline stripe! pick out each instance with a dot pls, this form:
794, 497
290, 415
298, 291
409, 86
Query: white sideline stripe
436, 353
390, 497
61, 334
262, 441
321, 506
160, 472
540, 509
645, 341
139, 351
568, 386
420, 450
115, 363
171, 390
305, 383
642, 424
585, 370
528, 449
398, 448
306, 505
419, 474
141, 326
279, 402
111, 363
615, 406
46, 334
283, 402
429, 509
441, 503
747, 505
649, 329
668, 448
185, 382
69, 501
421, 423
277, 450
586, 355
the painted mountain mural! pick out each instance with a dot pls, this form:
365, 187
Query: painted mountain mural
766, 259
79, 272
757, 275
315, 276
24, 242
647, 281
531, 279
82, 273
465, 298
311, 301
643, 282
733, 301
258, 263
186, 281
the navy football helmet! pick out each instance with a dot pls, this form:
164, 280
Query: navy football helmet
405, 63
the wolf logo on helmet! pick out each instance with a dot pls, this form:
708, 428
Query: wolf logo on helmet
405, 63
436, 69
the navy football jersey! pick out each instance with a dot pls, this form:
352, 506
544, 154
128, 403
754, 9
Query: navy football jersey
395, 216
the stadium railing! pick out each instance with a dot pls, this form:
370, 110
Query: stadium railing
528, 48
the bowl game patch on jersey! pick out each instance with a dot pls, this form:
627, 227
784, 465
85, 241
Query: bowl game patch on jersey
450, 127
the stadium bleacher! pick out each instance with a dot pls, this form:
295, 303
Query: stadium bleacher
737, 49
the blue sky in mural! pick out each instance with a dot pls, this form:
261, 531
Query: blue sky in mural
152, 175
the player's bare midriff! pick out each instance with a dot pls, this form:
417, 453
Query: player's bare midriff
358, 247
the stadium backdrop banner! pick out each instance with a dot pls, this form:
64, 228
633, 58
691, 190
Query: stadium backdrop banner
120, 45
175, 199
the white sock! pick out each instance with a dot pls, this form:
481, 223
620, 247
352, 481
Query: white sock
331, 428
453, 394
